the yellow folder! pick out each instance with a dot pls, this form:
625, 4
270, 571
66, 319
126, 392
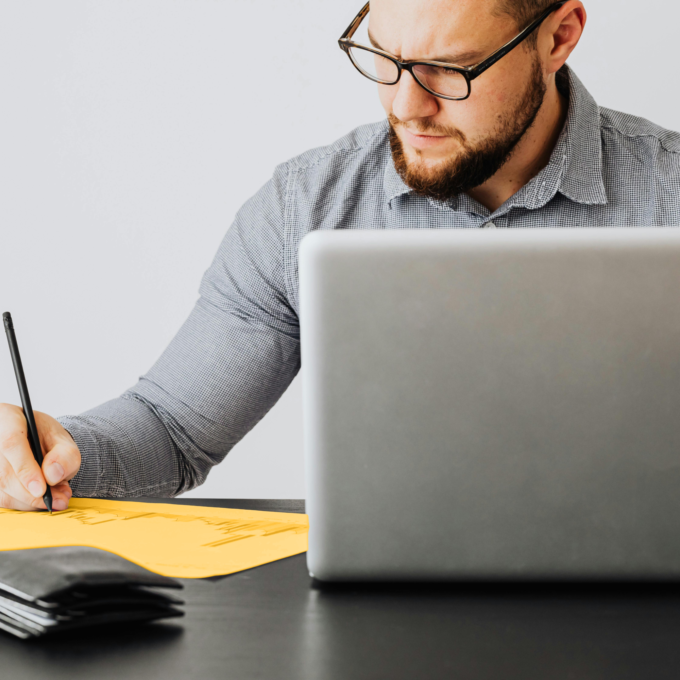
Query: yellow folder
175, 540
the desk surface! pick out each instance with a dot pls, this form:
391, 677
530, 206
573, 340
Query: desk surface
274, 623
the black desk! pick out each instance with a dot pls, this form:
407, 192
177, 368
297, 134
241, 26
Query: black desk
271, 622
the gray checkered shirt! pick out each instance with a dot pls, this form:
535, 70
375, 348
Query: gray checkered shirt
240, 347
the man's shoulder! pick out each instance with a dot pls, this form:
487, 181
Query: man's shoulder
364, 142
634, 132
320, 173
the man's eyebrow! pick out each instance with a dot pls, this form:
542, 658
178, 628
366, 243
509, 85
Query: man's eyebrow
461, 58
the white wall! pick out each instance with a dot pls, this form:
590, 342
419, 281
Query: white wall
131, 133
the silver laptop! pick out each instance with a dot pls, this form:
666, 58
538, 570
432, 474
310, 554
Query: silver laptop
484, 404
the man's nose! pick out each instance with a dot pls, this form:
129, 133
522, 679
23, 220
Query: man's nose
412, 101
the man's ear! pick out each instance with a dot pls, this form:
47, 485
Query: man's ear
563, 32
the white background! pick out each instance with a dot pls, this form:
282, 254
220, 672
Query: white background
131, 131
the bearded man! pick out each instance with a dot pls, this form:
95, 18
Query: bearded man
487, 127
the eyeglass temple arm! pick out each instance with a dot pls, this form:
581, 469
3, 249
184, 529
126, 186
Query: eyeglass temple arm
475, 71
351, 29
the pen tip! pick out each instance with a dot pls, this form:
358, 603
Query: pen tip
48, 502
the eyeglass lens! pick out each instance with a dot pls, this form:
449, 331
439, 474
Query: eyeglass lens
438, 79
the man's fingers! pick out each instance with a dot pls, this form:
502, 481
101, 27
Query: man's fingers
14, 448
25, 483
61, 463
21, 478
7, 501
61, 495
12, 487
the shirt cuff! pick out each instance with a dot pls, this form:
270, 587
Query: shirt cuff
87, 480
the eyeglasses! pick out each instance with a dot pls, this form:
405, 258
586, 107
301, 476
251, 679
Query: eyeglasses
447, 81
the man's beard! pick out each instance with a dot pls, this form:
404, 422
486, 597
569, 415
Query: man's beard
475, 164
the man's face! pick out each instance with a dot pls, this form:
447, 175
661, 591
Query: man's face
461, 143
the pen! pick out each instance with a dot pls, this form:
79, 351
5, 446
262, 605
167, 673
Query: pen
33, 438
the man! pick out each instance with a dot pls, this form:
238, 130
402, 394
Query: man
517, 142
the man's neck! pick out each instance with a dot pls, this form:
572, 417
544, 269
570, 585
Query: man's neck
530, 156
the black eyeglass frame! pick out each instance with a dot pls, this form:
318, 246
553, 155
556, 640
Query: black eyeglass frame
468, 72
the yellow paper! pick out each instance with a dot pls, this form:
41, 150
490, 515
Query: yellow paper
175, 540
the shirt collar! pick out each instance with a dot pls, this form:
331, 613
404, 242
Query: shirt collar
574, 169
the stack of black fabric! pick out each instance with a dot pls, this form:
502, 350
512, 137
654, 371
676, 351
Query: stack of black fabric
48, 590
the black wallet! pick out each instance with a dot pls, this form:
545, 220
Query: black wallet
47, 590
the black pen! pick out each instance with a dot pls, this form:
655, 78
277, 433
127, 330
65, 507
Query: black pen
33, 438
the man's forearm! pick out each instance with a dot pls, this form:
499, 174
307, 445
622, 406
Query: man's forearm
217, 378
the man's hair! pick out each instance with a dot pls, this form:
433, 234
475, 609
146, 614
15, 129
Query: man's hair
523, 12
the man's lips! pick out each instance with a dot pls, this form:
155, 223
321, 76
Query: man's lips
419, 141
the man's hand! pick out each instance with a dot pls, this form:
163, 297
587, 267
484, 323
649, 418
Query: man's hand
22, 481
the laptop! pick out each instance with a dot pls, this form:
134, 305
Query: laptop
492, 404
